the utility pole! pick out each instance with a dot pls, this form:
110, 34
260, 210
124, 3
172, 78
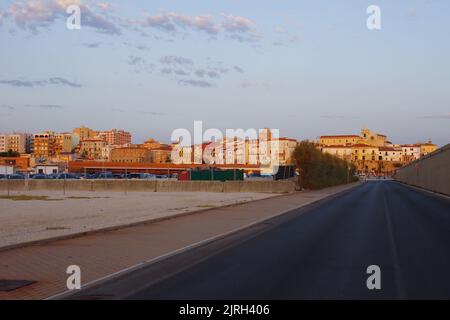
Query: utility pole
348, 174
7, 179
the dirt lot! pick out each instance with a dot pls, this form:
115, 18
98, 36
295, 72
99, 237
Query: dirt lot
40, 215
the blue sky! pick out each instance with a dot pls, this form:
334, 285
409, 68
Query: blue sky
306, 67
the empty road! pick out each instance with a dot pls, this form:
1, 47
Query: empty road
324, 253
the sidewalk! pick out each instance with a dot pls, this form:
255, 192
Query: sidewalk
105, 253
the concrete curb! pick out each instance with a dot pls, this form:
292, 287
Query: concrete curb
418, 188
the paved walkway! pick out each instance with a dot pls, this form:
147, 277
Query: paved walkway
106, 253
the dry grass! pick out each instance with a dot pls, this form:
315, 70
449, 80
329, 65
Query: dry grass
27, 198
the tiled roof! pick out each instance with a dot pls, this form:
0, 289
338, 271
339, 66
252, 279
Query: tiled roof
340, 136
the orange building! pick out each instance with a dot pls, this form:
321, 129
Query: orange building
115, 137
131, 155
44, 144
21, 163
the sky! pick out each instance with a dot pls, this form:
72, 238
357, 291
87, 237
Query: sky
307, 68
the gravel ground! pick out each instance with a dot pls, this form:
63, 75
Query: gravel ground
55, 214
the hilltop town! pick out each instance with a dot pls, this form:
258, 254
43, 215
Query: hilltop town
52, 153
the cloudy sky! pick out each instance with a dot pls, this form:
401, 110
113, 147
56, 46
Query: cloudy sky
305, 67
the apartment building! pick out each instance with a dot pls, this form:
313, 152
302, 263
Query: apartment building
63, 143
92, 149
43, 144
16, 142
83, 133
115, 137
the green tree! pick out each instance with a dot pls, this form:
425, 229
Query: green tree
319, 170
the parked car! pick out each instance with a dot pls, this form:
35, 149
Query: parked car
104, 175
67, 176
39, 176
141, 176
16, 176
88, 176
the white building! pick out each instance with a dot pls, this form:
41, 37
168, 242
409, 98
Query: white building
390, 154
46, 169
6, 170
412, 151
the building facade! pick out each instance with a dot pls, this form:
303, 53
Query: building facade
16, 142
131, 155
83, 133
115, 137
92, 149
372, 152
44, 144
63, 143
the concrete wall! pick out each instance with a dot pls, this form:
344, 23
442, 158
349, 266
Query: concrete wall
431, 172
148, 186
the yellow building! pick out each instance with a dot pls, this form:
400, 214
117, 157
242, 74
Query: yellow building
63, 143
84, 133
339, 140
131, 155
372, 138
364, 152
44, 144
161, 155
92, 149
426, 148
343, 152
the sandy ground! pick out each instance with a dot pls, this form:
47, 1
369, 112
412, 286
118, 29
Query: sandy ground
59, 215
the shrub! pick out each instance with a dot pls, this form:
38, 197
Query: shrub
320, 170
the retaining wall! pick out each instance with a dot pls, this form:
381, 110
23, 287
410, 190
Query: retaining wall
148, 186
431, 172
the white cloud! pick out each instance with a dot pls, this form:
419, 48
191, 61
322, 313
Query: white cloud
171, 22
176, 60
237, 24
104, 6
35, 14
240, 28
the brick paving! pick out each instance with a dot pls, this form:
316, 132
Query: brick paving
102, 254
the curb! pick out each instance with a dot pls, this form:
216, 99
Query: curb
418, 188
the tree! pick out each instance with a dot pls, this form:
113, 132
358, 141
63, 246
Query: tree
10, 154
319, 170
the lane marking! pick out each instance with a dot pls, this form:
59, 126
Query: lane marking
394, 252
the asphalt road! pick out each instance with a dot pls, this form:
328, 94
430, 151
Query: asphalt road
324, 253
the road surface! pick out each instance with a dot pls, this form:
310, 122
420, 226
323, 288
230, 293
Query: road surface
325, 252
